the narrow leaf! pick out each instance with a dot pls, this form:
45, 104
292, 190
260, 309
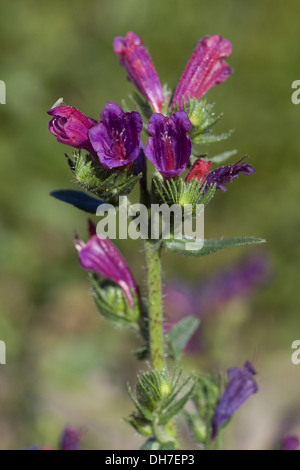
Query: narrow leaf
193, 247
78, 199
181, 333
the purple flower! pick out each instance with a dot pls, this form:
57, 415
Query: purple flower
71, 127
204, 69
137, 62
100, 256
290, 443
70, 439
240, 387
116, 139
232, 283
225, 174
170, 147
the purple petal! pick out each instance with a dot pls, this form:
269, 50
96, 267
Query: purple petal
70, 439
100, 256
116, 139
239, 388
290, 443
170, 147
137, 62
225, 174
204, 69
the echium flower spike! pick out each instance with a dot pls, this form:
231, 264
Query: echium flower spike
116, 139
71, 127
137, 62
240, 387
204, 69
100, 256
170, 147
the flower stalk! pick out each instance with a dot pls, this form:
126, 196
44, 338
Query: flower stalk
155, 316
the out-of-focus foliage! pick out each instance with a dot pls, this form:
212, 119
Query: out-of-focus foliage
65, 365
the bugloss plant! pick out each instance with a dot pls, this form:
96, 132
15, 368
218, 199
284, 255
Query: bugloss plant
109, 160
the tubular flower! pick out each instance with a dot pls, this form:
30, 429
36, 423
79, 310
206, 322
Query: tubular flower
204, 69
198, 171
71, 127
116, 139
100, 256
225, 174
170, 147
137, 62
239, 388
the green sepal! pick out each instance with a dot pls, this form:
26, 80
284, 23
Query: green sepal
177, 191
140, 424
206, 394
203, 119
113, 304
175, 408
106, 183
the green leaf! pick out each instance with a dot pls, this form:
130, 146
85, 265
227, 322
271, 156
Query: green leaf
180, 334
190, 247
222, 157
209, 138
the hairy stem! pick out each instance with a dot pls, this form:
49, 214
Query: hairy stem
153, 264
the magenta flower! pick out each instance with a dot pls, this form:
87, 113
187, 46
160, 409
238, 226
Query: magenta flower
204, 69
225, 174
290, 443
71, 127
137, 62
70, 439
239, 388
116, 139
100, 256
170, 147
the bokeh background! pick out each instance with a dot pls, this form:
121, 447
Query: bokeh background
65, 364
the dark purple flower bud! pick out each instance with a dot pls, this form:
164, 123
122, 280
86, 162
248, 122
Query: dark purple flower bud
100, 256
239, 388
116, 139
290, 443
71, 127
137, 62
225, 174
170, 147
204, 69
70, 439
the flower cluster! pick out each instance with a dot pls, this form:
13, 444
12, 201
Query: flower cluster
115, 140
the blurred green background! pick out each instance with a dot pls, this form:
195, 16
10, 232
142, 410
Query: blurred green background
65, 365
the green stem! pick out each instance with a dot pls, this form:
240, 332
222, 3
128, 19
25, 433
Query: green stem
153, 264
